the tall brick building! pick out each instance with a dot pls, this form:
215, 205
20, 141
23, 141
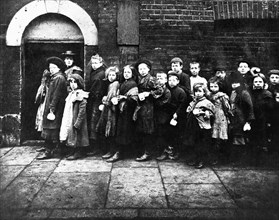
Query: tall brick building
211, 31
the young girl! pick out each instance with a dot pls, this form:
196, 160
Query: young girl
73, 129
40, 99
242, 113
127, 100
222, 109
263, 104
106, 125
200, 111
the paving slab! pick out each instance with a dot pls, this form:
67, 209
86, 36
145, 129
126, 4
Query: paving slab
73, 190
181, 173
12, 215
20, 193
8, 174
136, 188
198, 196
83, 166
4, 151
39, 168
94, 213
252, 188
258, 214
19, 156
38, 214
188, 213
131, 163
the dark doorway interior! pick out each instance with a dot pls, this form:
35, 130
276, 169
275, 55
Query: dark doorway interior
35, 55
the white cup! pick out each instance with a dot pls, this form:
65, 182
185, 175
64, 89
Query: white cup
50, 116
173, 122
114, 100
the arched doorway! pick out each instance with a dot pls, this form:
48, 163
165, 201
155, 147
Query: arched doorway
42, 29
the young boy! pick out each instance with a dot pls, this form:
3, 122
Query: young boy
184, 79
195, 78
176, 111
220, 73
244, 69
161, 113
273, 79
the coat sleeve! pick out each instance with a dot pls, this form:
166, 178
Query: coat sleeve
181, 101
59, 91
81, 114
87, 76
185, 83
248, 106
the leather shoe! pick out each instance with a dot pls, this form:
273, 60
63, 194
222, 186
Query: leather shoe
174, 156
144, 157
42, 149
164, 156
192, 163
115, 158
200, 165
107, 155
75, 156
46, 155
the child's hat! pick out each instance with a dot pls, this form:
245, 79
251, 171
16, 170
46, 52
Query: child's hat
236, 77
176, 59
220, 67
172, 73
273, 71
68, 53
57, 61
143, 61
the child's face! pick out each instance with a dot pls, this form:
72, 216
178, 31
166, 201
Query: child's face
235, 85
143, 69
95, 63
277, 97
173, 81
214, 87
112, 76
243, 68
53, 68
73, 84
69, 61
274, 79
176, 67
199, 93
220, 74
258, 83
127, 73
194, 69
162, 78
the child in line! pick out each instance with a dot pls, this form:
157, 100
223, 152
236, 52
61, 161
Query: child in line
144, 113
242, 114
273, 80
222, 76
275, 121
245, 70
263, 104
200, 112
195, 78
161, 114
221, 117
106, 125
127, 101
73, 131
175, 121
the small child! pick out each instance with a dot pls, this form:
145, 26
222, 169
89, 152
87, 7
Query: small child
73, 129
263, 103
149, 89
242, 114
220, 73
40, 99
200, 112
106, 125
245, 70
273, 80
184, 79
161, 114
127, 101
221, 120
175, 123
275, 121
195, 78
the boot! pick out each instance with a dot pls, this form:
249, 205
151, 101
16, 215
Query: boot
76, 155
144, 157
107, 155
164, 156
115, 157
46, 155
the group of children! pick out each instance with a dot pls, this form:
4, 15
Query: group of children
173, 110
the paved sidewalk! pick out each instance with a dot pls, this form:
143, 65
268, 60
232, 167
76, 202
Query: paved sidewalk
92, 188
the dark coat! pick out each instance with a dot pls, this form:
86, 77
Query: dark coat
55, 100
125, 124
78, 134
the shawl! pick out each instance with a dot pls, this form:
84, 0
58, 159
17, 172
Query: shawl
66, 125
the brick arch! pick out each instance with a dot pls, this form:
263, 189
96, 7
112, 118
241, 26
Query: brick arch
37, 8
